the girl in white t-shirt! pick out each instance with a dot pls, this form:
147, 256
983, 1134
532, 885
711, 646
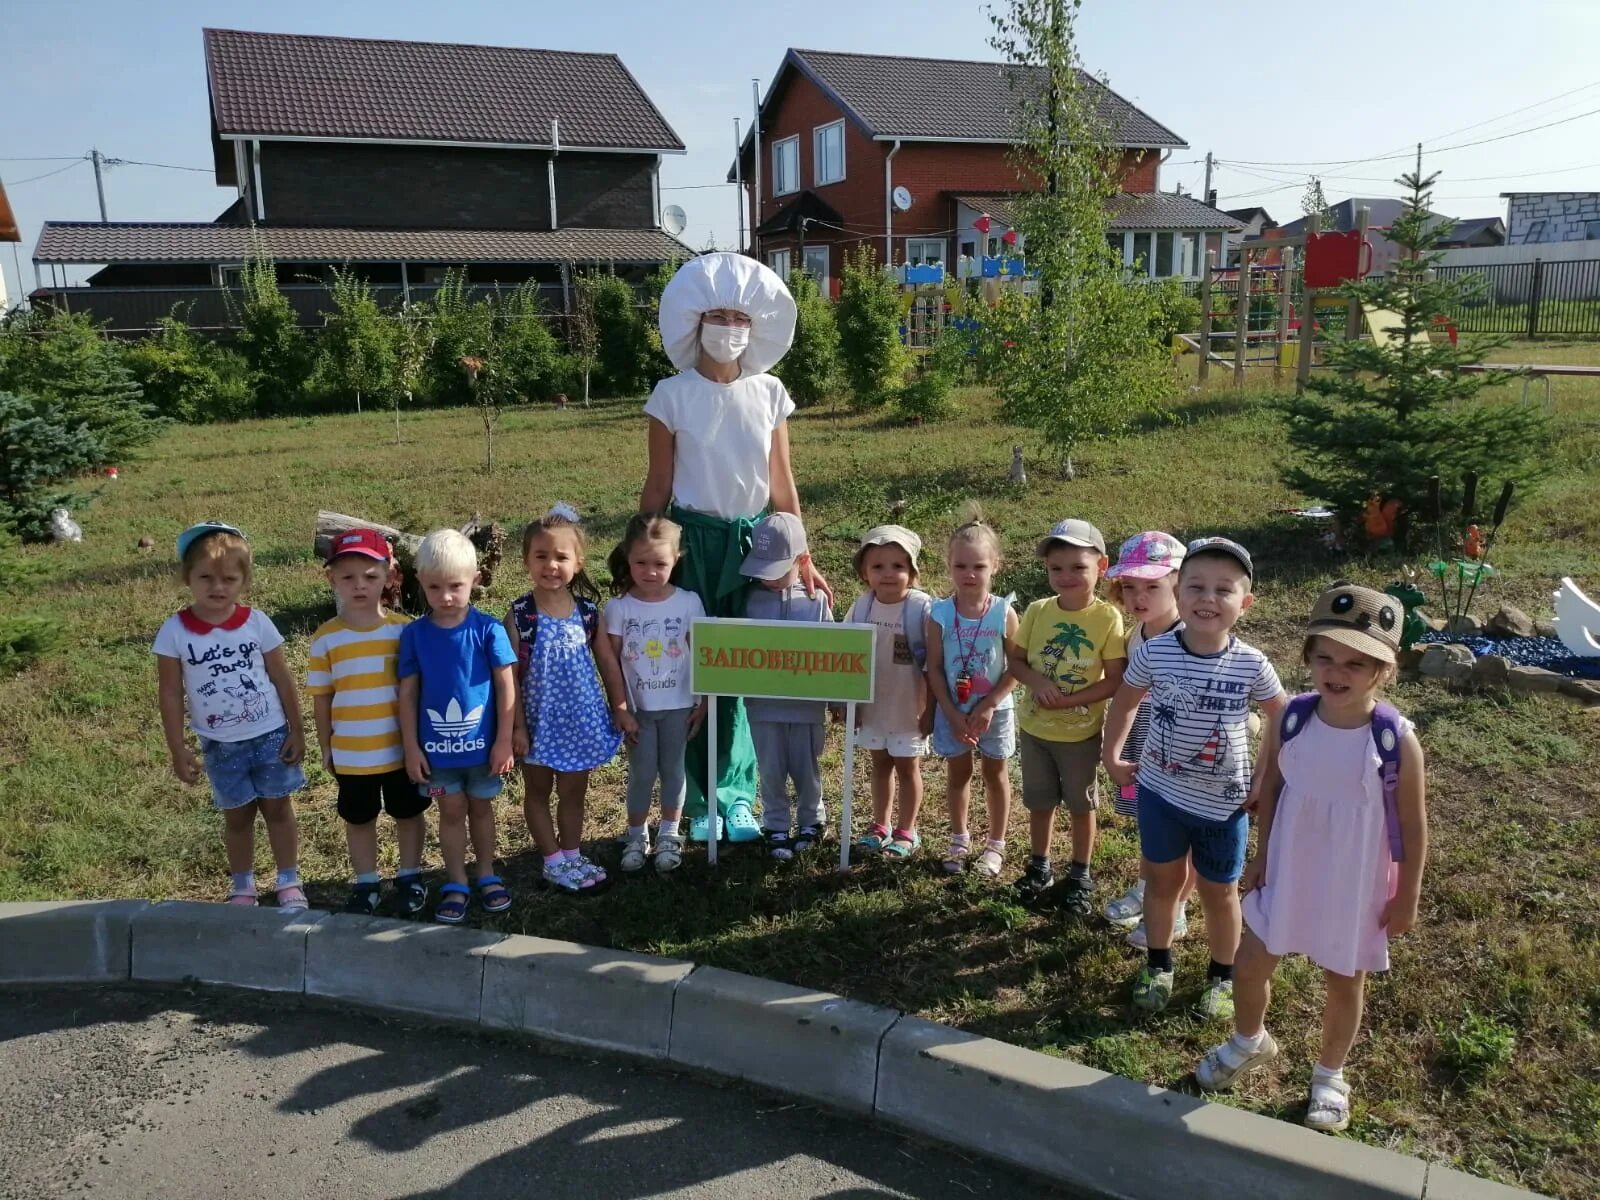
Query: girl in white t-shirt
648, 624
719, 459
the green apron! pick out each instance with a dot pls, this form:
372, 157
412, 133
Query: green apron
713, 551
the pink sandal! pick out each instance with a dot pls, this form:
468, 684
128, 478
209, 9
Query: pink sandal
293, 898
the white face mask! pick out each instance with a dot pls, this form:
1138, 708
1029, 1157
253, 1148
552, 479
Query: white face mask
724, 343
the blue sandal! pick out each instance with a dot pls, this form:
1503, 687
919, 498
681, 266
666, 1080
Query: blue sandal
874, 841
492, 894
903, 844
452, 908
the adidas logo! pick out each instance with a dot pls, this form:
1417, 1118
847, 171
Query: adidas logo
453, 722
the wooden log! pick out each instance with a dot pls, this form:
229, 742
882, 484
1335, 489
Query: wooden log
404, 592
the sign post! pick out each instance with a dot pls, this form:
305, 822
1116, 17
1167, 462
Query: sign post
782, 660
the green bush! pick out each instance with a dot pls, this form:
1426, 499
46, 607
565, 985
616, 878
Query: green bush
270, 338
928, 396
461, 329
1175, 312
871, 353
627, 362
39, 447
25, 640
62, 362
356, 348
811, 368
525, 347
187, 378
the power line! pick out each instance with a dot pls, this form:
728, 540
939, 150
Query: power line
45, 158
134, 162
47, 174
691, 187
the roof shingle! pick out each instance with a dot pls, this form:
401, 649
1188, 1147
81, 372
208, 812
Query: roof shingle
155, 242
895, 97
294, 85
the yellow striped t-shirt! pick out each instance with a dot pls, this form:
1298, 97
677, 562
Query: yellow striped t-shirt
359, 669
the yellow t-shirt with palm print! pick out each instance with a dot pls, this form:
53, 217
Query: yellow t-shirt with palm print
1071, 648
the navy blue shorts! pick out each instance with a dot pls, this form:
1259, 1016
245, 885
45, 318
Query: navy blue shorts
1168, 833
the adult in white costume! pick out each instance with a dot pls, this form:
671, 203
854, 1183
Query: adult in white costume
719, 460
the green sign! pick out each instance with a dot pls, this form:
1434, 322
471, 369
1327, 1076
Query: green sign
781, 660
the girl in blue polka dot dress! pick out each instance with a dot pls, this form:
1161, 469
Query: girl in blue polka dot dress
566, 726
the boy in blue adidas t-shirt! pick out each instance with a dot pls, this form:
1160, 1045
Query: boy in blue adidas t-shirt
457, 703
1194, 780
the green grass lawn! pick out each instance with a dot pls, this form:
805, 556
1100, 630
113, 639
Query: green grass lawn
1481, 1046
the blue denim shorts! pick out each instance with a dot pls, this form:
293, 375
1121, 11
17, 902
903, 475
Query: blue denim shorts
249, 770
1000, 741
476, 781
1168, 833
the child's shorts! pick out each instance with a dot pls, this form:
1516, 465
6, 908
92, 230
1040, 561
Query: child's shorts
899, 745
476, 781
1060, 774
999, 741
1167, 833
362, 797
241, 772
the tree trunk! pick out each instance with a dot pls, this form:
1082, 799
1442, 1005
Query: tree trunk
586, 387
358, 401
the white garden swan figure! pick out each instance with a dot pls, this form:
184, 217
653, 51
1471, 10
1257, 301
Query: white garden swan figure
1577, 620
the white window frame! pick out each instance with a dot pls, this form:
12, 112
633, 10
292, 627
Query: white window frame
781, 261
779, 147
805, 265
944, 248
818, 158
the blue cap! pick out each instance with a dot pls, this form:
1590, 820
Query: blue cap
194, 533
1222, 545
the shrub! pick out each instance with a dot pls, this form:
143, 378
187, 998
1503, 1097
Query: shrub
356, 348
1174, 313
871, 354
524, 346
461, 329
271, 340
655, 283
627, 362
928, 396
39, 447
62, 362
811, 368
25, 640
187, 378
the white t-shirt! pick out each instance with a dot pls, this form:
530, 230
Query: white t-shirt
655, 647
722, 439
225, 673
900, 688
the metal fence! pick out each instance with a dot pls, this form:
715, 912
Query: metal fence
1531, 299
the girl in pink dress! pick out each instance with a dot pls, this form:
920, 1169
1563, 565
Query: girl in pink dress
1340, 849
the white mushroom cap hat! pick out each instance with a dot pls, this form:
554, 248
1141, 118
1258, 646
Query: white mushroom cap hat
727, 280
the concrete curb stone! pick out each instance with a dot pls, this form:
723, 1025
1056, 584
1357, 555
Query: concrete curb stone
1447, 1184
812, 1044
261, 948
74, 941
1110, 1134
431, 970
608, 999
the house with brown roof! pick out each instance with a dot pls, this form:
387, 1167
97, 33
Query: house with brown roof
913, 156
401, 159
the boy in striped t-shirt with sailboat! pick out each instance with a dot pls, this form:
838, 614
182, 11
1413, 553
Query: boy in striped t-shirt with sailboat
353, 680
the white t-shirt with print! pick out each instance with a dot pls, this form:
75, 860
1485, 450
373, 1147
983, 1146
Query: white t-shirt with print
231, 699
655, 647
722, 439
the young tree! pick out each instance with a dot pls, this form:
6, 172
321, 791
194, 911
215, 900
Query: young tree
871, 354
583, 329
626, 358
1392, 414
811, 367
271, 340
1078, 359
461, 328
413, 345
526, 349
1314, 204
355, 351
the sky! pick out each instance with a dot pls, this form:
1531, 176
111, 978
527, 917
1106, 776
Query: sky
1274, 90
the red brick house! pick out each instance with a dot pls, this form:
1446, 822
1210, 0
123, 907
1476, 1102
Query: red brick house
910, 154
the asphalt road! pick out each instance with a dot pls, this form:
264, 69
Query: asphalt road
210, 1095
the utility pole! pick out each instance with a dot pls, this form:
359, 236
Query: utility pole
99, 184
1206, 194
755, 131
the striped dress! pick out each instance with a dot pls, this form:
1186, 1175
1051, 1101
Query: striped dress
359, 669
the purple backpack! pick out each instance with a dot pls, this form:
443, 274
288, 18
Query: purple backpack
1385, 736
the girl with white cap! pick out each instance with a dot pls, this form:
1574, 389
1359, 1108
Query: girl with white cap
718, 460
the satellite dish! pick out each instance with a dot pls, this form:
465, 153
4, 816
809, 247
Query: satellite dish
902, 199
674, 220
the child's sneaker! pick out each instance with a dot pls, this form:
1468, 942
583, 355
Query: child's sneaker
1216, 1002
635, 849
1036, 880
412, 893
1152, 989
669, 853
1076, 893
780, 845
365, 899
1127, 909
809, 837
1180, 930
1224, 1063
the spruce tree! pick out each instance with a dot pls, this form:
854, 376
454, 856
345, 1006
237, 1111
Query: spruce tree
1392, 413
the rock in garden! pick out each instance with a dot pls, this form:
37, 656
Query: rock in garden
1585, 691
1545, 629
1510, 622
1533, 679
1448, 662
1492, 670
1466, 625
147, 542
1408, 660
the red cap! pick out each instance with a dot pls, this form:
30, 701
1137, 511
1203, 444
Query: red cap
368, 542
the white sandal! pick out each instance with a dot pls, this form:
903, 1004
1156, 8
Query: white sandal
1329, 1109
990, 862
955, 859
1224, 1063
